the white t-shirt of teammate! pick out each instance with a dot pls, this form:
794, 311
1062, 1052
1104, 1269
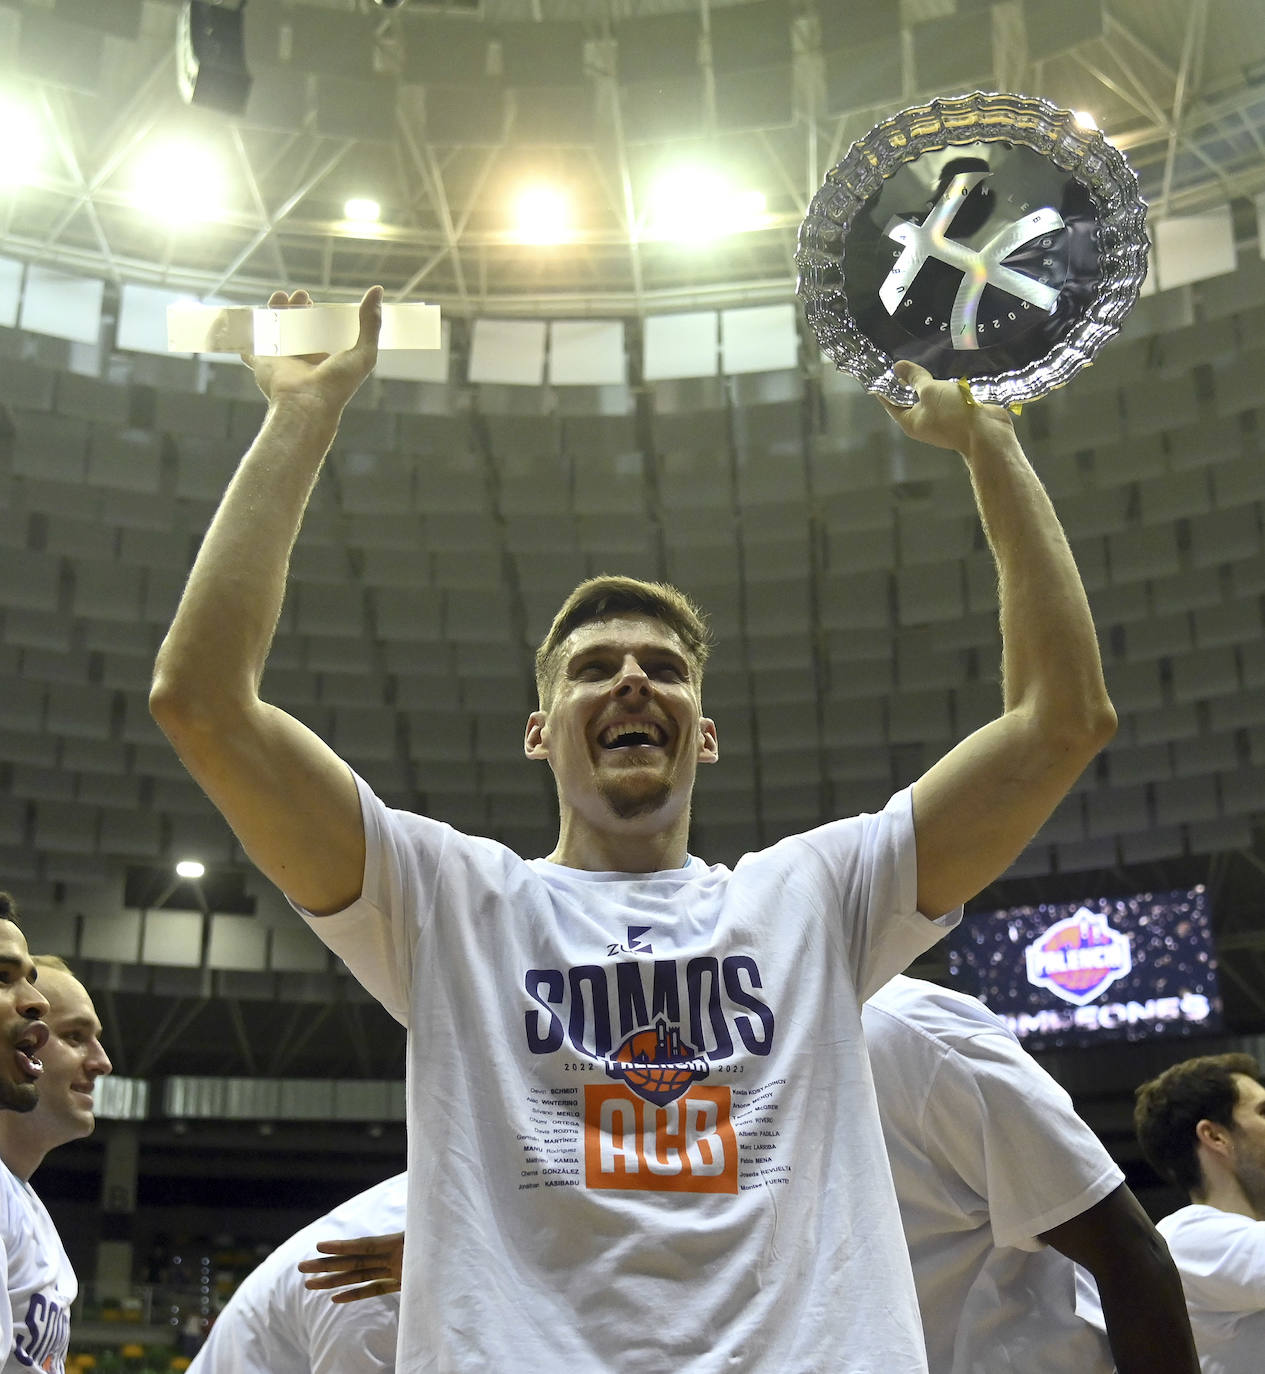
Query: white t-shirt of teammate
1221, 1258
642, 1132
274, 1325
39, 1280
987, 1153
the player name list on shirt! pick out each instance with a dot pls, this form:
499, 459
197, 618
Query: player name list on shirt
710, 1139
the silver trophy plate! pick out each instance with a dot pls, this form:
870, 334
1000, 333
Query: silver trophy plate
992, 239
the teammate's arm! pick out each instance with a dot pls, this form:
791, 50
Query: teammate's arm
979, 806
374, 1263
288, 797
1138, 1285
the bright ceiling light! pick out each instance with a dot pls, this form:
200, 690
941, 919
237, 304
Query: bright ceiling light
362, 211
691, 204
748, 209
190, 868
1084, 119
542, 215
24, 145
179, 182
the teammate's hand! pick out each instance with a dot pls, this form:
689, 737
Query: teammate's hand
329, 380
941, 414
375, 1263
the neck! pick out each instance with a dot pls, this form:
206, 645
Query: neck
1227, 1195
20, 1150
623, 848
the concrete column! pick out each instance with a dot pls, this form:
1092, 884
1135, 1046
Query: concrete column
118, 1207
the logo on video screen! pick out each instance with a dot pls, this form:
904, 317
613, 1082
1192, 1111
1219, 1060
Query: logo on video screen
1078, 958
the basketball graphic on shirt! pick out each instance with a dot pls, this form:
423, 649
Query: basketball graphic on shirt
657, 1064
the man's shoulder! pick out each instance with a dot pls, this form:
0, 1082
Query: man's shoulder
1198, 1220
18, 1202
942, 1013
412, 831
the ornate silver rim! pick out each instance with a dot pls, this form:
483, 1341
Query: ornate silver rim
980, 117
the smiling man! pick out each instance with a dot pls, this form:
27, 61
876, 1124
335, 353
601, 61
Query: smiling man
642, 1129
23, 1035
41, 1284
22, 1006
1201, 1125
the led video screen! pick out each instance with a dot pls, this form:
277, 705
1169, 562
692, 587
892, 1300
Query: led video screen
1106, 968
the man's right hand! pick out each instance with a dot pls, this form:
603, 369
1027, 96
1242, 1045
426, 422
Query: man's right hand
325, 380
290, 800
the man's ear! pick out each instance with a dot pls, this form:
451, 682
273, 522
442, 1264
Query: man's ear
1212, 1135
534, 745
708, 746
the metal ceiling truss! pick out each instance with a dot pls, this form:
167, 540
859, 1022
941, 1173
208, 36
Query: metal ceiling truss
444, 241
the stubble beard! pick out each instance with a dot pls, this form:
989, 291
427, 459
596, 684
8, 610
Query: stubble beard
1251, 1178
18, 1097
628, 800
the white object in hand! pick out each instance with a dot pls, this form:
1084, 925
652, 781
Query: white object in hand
302, 329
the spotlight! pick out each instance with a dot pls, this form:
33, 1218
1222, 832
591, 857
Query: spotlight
179, 182
362, 211
24, 143
542, 216
211, 54
190, 868
694, 204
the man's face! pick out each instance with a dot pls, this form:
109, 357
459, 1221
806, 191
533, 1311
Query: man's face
73, 1060
22, 1031
623, 732
1248, 1139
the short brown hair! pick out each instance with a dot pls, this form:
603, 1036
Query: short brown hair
1168, 1108
601, 598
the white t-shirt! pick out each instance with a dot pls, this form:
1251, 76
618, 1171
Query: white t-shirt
274, 1325
642, 1133
1221, 1258
35, 1328
987, 1153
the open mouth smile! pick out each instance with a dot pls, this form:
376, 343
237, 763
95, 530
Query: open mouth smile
631, 734
33, 1039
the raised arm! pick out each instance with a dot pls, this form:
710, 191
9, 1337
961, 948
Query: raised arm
979, 806
1138, 1285
288, 797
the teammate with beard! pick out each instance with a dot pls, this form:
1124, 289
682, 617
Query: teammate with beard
642, 1131
22, 1008
41, 1284
1201, 1125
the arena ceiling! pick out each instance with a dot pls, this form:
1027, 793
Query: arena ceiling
843, 567
441, 113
